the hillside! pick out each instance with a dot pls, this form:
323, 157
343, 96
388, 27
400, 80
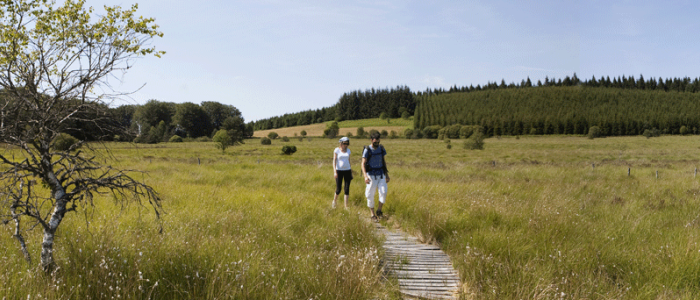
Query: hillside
316, 130
563, 110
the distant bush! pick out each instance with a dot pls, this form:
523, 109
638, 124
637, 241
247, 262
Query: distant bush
475, 142
417, 134
331, 130
594, 132
649, 133
64, 141
203, 139
408, 133
272, 135
289, 149
683, 130
384, 134
222, 140
374, 131
361, 132
303, 133
393, 135
176, 139
466, 131
266, 141
405, 115
285, 138
431, 132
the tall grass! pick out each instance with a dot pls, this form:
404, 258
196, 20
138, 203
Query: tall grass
250, 224
528, 218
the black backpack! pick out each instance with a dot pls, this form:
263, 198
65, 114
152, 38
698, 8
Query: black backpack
369, 156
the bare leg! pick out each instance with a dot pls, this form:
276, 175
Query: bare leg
335, 200
346, 201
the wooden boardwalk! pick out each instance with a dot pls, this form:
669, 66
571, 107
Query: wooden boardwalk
423, 271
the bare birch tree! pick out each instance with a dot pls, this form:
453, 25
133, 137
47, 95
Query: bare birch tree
56, 61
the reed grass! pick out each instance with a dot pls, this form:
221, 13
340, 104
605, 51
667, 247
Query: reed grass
552, 217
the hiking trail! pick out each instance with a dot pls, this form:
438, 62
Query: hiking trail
423, 271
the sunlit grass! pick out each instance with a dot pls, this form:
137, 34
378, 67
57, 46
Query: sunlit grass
525, 218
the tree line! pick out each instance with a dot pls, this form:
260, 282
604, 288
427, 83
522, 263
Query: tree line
157, 121
562, 110
685, 84
355, 105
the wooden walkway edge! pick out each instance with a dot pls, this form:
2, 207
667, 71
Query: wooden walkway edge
423, 271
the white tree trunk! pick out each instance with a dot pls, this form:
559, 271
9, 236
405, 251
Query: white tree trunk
59, 211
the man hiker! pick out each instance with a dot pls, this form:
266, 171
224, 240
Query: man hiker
376, 175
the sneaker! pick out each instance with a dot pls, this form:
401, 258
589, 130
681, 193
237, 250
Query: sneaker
379, 214
333, 204
374, 219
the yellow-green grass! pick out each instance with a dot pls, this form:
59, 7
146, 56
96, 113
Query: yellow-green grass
316, 130
249, 224
525, 218
376, 122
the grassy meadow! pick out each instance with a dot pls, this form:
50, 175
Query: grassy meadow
554, 217
347, 128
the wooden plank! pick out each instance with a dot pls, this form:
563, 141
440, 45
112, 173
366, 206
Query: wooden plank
422, 270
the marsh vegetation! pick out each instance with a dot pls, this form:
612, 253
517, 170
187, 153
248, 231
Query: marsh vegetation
557, 217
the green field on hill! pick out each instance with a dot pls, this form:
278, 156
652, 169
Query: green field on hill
376, 122
534, 217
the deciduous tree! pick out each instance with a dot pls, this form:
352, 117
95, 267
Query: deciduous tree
55, 62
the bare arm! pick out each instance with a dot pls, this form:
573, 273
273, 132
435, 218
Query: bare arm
335, 170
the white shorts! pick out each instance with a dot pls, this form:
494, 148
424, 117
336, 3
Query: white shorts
376, 183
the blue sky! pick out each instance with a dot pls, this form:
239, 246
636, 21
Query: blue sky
269, 57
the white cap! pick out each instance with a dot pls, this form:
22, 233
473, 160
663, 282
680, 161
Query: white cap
344, 139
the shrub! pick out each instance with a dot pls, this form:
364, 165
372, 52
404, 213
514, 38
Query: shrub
272, 135
452, 132
431, 132
289, 149
467, 130
393, 135
175, 139
266, 141
222, 140
361, 132
408, 133
593, 132
332, 130
417, 134
384, 134
64, 141
648, 133
203, 139
683, 130
374, 131
285, 139
405, 115
533, 131
475, 142
303, 133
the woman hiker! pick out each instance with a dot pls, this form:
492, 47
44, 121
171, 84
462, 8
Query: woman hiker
341, 169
